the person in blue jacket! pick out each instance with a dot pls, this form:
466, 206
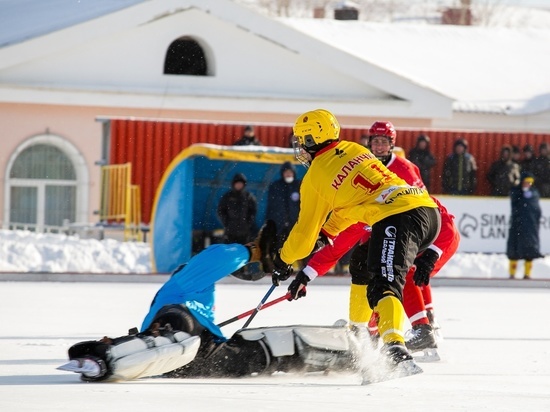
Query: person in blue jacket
283, 201
182, 316
523, 236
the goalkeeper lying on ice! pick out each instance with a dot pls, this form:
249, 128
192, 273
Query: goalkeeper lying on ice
179, 338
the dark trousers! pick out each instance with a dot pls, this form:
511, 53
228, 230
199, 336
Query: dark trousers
393, 246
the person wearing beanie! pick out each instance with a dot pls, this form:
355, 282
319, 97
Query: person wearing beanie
283, 201
523, 235
503, 173
460, 170
248, 138
237, 212
423, 158
527, 163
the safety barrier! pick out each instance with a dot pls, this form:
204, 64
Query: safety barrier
120, 200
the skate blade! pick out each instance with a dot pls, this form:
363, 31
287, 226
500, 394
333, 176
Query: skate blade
427, 355
84, 366
402, 370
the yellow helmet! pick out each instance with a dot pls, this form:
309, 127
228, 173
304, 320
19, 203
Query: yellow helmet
314, 130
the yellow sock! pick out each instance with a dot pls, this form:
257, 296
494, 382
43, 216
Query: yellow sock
392, 318
513, 267
359, 309
528, 267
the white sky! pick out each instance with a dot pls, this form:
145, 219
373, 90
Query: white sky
495, 353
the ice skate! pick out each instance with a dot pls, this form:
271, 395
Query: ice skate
89, 368
435, 325
395, 362
262, 248
423, 340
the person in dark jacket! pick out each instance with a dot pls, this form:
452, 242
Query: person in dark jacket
283, 201
528, 161
460, 171
523, 236
541, 170
423, 158
237, 212
503, 173
248, 138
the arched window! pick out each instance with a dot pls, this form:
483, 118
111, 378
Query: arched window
185, 56
46, 181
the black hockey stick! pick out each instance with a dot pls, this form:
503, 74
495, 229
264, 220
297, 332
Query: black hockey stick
259, 307
251, 311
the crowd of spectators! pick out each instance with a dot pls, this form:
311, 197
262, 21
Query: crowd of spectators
459, 176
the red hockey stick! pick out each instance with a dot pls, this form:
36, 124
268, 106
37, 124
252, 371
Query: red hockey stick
251, 311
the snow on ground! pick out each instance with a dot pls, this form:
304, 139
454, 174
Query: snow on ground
23, 251
495, 353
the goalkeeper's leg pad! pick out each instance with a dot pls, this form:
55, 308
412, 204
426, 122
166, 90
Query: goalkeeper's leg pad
307, 348
136, 356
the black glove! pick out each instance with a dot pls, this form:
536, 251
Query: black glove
281, 270
297, 287
322, 241
425, 264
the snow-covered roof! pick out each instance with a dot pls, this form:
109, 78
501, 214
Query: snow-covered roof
476, 69
482, 69
21, 20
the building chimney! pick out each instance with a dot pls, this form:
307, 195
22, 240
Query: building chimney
346, 10
461, 16
319, 13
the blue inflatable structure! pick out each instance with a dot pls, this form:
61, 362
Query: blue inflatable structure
184, 210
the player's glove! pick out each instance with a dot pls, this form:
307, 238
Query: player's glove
297, 287
281, 270
425, 264
322, 241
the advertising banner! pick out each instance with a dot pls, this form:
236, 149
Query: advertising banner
483, 222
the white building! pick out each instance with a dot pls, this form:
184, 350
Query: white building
63, 64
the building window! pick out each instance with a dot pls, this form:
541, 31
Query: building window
185, 57
44, 190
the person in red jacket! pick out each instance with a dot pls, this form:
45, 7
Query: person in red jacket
417, 298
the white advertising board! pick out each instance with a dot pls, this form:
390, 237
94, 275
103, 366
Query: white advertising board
483, 222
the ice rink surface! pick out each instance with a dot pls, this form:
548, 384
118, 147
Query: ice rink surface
495, 353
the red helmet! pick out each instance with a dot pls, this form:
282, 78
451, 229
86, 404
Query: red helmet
383, 129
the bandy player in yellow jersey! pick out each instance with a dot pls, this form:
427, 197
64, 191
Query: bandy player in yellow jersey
347, 184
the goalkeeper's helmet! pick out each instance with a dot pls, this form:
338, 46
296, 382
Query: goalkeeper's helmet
312, 132
385, 130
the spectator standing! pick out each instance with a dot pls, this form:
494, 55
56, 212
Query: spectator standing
423, 158
460, 170
504, 173
541, 170
283, 201
528, 161
237, 212
516, 154
248, 138
523, 236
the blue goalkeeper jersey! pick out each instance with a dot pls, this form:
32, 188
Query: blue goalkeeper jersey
193, 284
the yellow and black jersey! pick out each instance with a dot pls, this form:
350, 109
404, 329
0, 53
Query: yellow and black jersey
348, 182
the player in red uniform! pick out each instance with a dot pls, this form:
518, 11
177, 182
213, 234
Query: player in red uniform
417, 300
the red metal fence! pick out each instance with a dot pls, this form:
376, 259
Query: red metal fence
151, 145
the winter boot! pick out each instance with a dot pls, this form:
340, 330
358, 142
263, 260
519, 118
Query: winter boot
262, 249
